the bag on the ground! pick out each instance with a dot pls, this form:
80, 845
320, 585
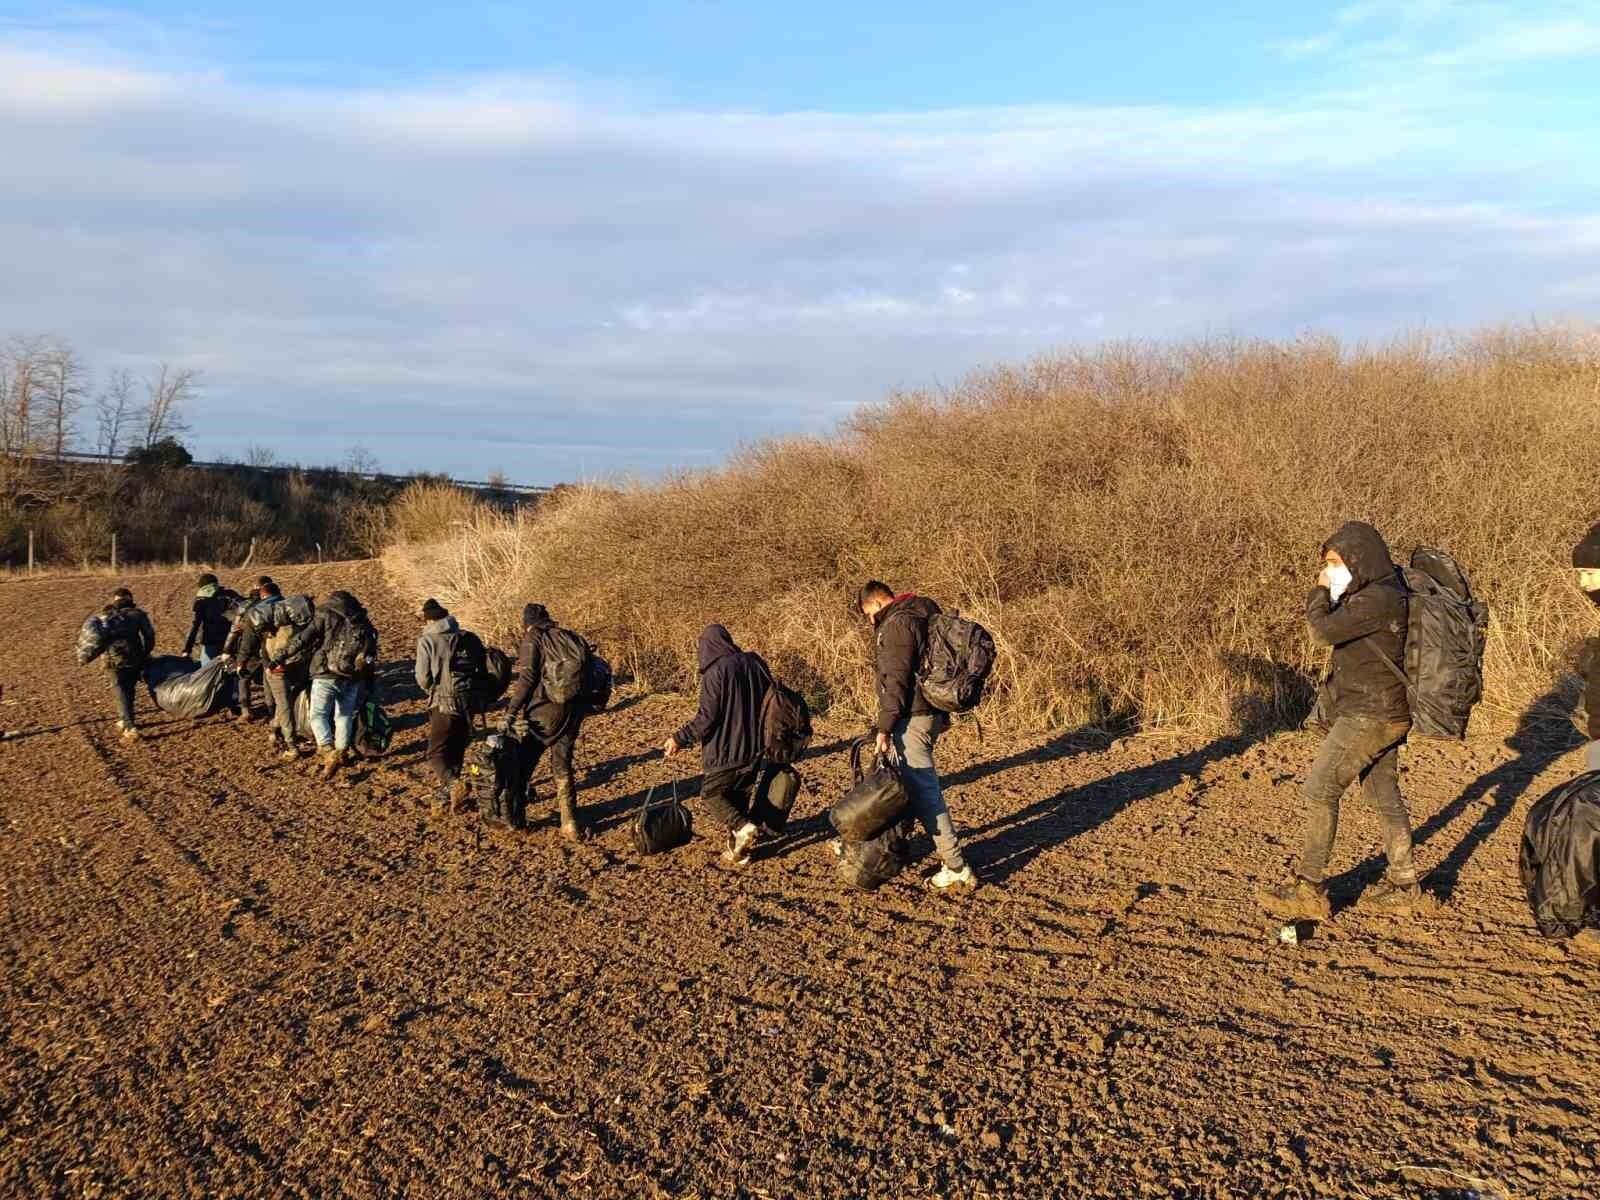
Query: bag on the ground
352, 646
785, 722
775, 796
184, 689
875, 800
374, 730
1560, 858
489, 771
866, 866
956, 662
661, 825
597, 683
1445, 634
91, 640
564, 654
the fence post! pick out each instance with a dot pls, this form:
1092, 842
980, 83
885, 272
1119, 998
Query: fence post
30, 552
319, 551
113, 554
186, 552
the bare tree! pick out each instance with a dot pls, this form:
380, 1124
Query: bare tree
166, 395
24, 358
61, 375
259, 456
115, 410
360, 461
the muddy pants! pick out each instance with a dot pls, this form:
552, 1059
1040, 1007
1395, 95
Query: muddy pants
914, 739
1365, 749
283, 687
448, 735
727, 794
530, 750
125, 683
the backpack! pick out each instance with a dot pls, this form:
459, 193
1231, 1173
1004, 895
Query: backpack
292, 610
564, 654
785, 723
467, 668
867, 866
352, 646
1560, 858
490, 774
374, 730
120, 633
498, 668
597, 682
956, 660
775, 796
1446, 629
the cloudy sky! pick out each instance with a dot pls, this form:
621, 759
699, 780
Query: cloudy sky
557, 240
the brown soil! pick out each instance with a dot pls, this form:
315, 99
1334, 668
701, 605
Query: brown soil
222, 978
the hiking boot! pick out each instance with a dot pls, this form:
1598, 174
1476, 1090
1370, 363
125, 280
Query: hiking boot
441, 803
1297, 900
243, 717
740, 843
289, 754
946, 878
332, 760
1388, 896
130, 733
567, 809
1585, 944
458, 796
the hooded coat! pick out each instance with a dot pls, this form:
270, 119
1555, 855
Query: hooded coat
902, 637
210, 626
1368, 624
434, 649
313, 638
1586, 554
526, 700
733, 686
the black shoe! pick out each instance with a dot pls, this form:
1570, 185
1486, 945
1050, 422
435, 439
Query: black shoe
1297, 900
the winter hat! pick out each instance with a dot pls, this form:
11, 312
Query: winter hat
432, 610
206, 580
534, 614
1586, 554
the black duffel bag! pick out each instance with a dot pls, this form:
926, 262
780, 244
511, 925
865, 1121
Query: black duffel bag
662, 825
1560, 858
876, 799
867, 866
775, 796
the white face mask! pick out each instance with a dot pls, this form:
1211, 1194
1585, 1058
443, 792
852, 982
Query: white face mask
1338, 580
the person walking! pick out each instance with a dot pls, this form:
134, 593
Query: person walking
441, 673
210, 626
537, 724
130, 639
1586, 561
1359, 607
342, 647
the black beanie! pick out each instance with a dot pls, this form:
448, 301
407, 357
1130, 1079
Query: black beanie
534, 614
432, 610
1586, 554
206, 580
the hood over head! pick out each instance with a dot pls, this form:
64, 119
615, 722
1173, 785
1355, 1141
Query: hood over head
715, 643
342, 603
1364, 551
536, 616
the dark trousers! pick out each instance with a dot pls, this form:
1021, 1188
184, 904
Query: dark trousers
727, 794
124, 683
1365, 749
284, 687
448, 735
530, 751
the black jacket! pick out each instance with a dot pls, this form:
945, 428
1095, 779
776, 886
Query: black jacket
525, 701
1370, 617
211, 625
313, 639
902, 636
244, 639
733, 685
144, 633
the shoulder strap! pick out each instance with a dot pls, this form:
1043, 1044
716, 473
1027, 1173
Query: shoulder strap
1390, 663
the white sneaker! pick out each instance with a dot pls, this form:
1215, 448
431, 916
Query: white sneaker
946, 879
740, 842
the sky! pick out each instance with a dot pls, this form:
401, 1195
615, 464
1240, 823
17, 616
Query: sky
612, 239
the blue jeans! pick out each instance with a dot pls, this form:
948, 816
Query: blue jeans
334, 704
914, 739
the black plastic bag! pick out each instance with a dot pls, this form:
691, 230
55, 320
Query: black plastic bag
876, 800
189, 690
1560, 859
91, 640
775, 797
867, 866
662, 825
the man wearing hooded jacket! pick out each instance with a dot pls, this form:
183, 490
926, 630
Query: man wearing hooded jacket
1359, 608
1586, 561
537, 724
727, 725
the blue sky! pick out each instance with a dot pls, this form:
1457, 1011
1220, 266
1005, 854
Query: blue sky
560, 240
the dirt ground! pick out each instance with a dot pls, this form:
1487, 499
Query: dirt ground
222, 978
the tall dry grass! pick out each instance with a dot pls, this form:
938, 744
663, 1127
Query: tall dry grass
1137, 526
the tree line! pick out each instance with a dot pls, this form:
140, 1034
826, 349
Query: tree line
50, 402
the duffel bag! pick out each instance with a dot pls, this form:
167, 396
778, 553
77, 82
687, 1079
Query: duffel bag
775, 796
867, 866
876, 799
662, 825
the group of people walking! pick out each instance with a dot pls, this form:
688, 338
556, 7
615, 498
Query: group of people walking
1361, 607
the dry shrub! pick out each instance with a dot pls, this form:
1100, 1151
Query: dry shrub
1137, 526
427, 512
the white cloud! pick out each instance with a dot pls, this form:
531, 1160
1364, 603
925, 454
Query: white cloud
514, 267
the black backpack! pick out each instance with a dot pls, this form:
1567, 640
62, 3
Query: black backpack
1560, 858
467, 669
597, 683
564, 654
490, 775
352, 646
785, 722
1446, 629
956, 660
775, 796
123, 646
292, 610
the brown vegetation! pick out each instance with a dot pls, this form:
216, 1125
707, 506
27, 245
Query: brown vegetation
1137, 526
